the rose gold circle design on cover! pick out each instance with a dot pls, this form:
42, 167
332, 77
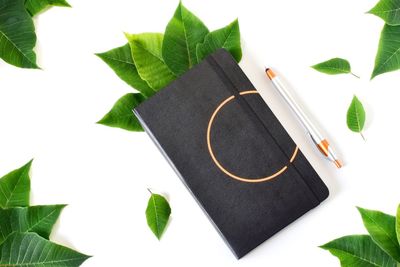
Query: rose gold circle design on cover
219, 165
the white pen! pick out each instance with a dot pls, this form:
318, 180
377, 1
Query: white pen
318, 139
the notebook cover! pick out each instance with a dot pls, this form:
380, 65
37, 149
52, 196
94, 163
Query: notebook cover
231, 152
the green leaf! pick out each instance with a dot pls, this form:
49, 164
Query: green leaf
31, 250
157, 214
120, 60
36, 6
15, 188
398, 224
388, 56
38, 219
358, 251
183, 33
227, 38
121, 115
388, 10
334, 66
382, 228
17, 34
147, 55
356, 116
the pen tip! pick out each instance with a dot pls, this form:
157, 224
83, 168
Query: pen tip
338, 164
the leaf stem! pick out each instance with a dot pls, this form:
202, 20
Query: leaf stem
355, 75
363, 137
148, 189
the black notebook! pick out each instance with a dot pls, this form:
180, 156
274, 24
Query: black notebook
231, 152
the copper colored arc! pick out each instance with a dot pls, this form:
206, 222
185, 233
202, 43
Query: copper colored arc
223, 169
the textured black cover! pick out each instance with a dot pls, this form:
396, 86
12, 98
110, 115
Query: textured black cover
247, 140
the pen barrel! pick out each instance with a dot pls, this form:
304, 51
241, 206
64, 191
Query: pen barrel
321, 143
325, 148
295, 107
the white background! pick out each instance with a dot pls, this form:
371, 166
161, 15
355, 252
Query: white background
103, 173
